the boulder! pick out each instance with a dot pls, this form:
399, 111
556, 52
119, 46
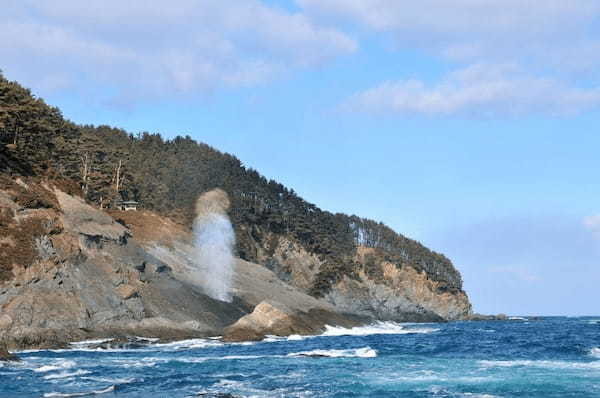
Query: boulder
273, 318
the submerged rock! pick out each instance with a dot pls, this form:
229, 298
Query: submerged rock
123, 343
482, 317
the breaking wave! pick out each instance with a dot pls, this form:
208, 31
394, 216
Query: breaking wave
365, 352
377, 328
80, 394
595, 352
58, 365
65, 375
541, 364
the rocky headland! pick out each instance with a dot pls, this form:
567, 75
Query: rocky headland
71, 271
74, 266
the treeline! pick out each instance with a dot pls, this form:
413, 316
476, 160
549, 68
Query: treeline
168, 175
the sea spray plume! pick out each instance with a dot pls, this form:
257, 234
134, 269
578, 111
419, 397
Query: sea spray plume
215, 240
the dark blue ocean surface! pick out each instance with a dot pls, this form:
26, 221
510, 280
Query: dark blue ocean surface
552, 357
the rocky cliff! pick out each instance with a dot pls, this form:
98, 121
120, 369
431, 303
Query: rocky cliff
376, 288
71, 271
68, 265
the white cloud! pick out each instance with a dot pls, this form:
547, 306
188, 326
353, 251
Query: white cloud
156, 48
555, 42
479, 90
472, 28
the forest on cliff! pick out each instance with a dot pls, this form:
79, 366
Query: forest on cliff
166, 176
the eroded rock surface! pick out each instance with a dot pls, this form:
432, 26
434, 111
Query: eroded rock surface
73, 272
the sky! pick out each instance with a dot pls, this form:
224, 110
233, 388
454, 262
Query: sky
469, 125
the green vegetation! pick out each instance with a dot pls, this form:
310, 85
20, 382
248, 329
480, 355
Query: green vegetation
168, 175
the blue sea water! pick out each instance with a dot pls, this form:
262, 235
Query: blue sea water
552, 357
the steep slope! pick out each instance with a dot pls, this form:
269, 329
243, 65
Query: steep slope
70, 271
357, 265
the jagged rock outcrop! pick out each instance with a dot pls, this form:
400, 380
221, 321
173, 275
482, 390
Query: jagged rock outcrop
90, 277
82, 275
6, 356
71, 271
272, 318
380, 289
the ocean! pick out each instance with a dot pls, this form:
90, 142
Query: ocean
550, 357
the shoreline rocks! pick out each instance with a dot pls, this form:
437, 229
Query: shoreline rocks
6, 356
272, 318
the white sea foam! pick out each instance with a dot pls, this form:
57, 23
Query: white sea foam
365, 352
377, 328
595, 352
142, 363
79, 394
517, 318
248, 390
58, 365
66, 375
566, 365
85, 343
407, 376
111, 380
189, 344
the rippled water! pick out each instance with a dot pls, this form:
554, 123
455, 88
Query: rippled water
553, 357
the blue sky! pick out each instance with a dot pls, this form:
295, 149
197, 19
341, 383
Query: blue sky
470, 126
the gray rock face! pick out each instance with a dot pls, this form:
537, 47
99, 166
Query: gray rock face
399, 293
89, 277
6, 356
93, 278
273, 318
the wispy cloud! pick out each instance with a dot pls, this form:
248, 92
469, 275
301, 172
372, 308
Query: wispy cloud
467, 29
479, 90
555, 43
157, 48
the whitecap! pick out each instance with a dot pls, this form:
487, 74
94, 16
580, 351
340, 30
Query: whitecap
377, 328
595, 352
135, 364
541, 364
189, 344
128, 380
60, 364
517, 318
79, 394
65, 375
365, 352
84, 343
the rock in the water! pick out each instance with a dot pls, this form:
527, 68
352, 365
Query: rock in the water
7, 356
482, 317
122, 343
271, 318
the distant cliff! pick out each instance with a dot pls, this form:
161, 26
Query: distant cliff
357, 266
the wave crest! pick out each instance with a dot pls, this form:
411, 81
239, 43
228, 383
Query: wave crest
365, 352
79, 394
377, 328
